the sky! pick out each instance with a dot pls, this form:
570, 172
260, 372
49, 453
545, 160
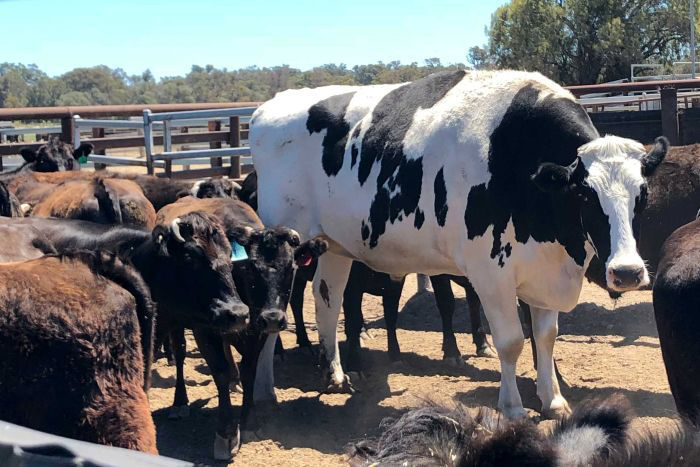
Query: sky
168, 37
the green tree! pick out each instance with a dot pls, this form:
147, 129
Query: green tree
584, 41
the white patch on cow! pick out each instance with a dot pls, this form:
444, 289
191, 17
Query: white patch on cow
264, 386
577, 446
195, 188
615, 173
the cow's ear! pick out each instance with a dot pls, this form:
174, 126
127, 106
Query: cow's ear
84, 150
554, 178
291, 236
241, 234
160, 236
309, 251
655, 156
28, 154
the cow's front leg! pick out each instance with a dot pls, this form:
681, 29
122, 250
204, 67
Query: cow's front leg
445, 300
544, 329
502, 313
228, 437
180, 408
328, 286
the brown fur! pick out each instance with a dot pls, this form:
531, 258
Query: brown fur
78, 199
72, 359
222, 208
19, 243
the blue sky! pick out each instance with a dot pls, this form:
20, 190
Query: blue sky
169, 36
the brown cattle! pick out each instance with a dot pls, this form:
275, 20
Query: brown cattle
71, 334
106, 201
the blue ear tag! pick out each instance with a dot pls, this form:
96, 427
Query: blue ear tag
238, 252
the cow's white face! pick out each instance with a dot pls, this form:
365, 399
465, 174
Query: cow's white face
616, 191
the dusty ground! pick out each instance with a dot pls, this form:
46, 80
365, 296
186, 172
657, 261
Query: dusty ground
603, 347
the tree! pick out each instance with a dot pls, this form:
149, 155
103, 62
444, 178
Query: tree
584, 41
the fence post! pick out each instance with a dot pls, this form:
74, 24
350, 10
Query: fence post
68, 130
669, 115
215, 125
167, 147
148, 140
99, 133
234, 140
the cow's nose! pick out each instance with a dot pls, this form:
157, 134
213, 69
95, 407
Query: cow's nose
624, 277
272, 321
230, 317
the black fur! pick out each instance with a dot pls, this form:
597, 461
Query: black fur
329, 114
399, 180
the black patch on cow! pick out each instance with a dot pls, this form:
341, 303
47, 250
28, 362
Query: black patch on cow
323, 289
365, 231
329, 114
356, 131
399, 179
440, 198
530, 133
420, 218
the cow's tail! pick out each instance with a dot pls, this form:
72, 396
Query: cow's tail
107, 202
111, 267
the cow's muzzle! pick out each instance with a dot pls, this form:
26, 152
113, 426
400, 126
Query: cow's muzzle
230, 316
621, 278
272, 321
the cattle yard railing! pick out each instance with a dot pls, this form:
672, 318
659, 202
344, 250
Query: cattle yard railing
215, 135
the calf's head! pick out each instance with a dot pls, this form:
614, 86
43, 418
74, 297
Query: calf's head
195, 249
215, 188
607, 184
55, 156
264, 279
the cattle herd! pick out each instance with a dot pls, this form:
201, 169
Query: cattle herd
497, 181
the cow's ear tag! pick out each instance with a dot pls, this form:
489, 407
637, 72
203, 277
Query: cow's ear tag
238, 252
82, 160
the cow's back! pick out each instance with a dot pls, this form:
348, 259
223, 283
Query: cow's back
383, 171
67, 337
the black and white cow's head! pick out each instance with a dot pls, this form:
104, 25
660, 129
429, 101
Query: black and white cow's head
264, 278
54, 156
608, 181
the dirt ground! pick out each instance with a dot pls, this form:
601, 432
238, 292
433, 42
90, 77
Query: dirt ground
604, 346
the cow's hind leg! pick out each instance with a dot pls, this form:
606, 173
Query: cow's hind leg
328, 286
545, 328
483, 348
501, 311
392, 296
445, 300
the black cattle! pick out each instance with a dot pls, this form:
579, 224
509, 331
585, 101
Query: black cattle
263, 277
76, 349
677, 312
54, 156
186, 264
597, 434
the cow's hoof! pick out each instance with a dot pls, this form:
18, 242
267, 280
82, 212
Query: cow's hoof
179, 412
486, 351
235, 386
226, 448
356, 376
558, 412
455, 362
340, 387
514, 413
366, 335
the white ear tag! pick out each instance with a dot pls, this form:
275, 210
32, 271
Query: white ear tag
238, 252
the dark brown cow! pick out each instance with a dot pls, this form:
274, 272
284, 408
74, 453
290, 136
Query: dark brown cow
72, 349
106, 201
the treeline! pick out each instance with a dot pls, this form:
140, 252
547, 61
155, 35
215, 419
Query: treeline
28, 86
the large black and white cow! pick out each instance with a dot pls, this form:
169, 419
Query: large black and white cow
497, 176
